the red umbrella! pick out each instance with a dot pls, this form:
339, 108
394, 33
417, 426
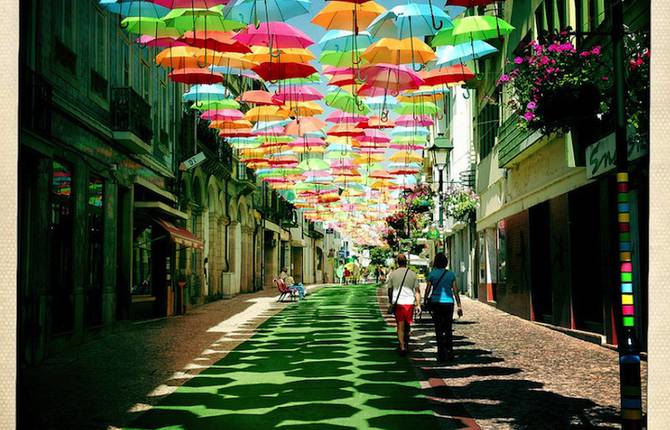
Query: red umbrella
390, 76
343, 80
447, 75
277, 71
374, 136
345, 130
376, 122
297, 94
178, 4
279, 35
195, 76
161, 42
222, 41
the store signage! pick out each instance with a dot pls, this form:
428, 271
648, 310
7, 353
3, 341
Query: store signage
193, 161
601, 156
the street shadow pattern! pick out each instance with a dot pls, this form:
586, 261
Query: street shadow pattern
327, 363
496, 393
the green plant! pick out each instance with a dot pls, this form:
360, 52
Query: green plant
460, 203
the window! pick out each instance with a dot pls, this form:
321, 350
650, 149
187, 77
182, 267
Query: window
64, 13
487, 125
60, 240
502, 252
142, 261
93, 306
99, 48
146, 81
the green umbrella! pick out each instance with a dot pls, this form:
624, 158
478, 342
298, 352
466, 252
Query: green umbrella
341, 58
216, 105
313, 164
346, 102
423, 108
409, 139
148, 26
471, 28
196, 19
336, 155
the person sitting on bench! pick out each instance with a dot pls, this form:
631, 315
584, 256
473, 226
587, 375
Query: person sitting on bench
290, 283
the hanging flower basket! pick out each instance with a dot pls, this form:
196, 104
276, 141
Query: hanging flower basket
461, 203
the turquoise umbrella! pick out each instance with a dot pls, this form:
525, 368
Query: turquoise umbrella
453, 54
135, 8
266, 10
410, 20
343, 40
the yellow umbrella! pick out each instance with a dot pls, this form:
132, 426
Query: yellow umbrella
369, 159
225, 59
309, 149
305, 108
383, 184
394, 51
406, 157
266, 113
261, 54
342, 15
179, 57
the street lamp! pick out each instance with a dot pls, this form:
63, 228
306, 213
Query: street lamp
439, 154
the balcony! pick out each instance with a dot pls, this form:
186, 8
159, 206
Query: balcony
131, 120
35, 103
247, 179
513, 141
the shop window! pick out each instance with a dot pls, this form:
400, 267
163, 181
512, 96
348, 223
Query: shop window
93, 307
501, 244
482, 258
142, 261
61, 235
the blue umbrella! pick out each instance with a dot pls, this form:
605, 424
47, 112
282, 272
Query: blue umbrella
454, 54
379, 102
145, 9
454, 11
266, 10
410, 20
206, 92
343, 40
269, 125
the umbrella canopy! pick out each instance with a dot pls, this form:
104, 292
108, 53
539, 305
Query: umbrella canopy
155, 27
298, 94
258, 97
275, 71
261, 54
266, 10
341, 58
342, 15
304, 109
426, 108
222, 41
279, 35
472, 28
449, 55
345, 40
135, 8
195, 75
394, 51
395, 78
266, 113
410, 20
447, 75
346, 102
344, 117
305, 125
200, 19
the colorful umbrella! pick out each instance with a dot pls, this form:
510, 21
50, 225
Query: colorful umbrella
449, 55
341, 15
275, 71
394, 51
222, 41
135, 8
195, 19
279, 35
410, 20
344, 40
266, 10
472, 28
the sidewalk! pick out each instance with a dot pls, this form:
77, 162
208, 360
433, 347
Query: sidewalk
97, 383
510, 373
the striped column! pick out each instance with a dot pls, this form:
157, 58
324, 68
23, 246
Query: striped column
629, 356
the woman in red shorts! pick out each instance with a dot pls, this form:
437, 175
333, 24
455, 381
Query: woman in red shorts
404, 294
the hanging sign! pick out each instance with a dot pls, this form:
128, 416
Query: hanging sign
601, 156
193, 161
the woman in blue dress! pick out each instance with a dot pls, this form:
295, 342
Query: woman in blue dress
442, 291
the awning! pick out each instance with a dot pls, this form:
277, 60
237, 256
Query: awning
180, 235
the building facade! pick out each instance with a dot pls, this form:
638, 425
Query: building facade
111, 229
546, 226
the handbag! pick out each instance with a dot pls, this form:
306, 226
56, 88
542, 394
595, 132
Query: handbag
427, 302
391, 309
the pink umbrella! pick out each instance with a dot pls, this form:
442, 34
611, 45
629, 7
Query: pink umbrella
343, 117
378, 149
223, 115
374, 136
308, 142
274, 131
178, 4
279, 35
161, 42
298, 94
411, 121
408, 147
332, 70
394, 77
342, 164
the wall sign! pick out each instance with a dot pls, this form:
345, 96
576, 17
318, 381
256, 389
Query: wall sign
601, 156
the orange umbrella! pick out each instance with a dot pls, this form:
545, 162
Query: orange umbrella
225, 59
179, 57
394, 51
221, 41
305, 109
345, 130
230, 125
377, 122
304, 125
266, 113
262, 54
447, 75
342, 15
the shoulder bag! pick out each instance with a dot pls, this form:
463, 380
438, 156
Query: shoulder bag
393, 305
427, 302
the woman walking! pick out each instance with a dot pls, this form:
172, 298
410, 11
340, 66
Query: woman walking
441, 292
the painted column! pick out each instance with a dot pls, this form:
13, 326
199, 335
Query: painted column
110, 205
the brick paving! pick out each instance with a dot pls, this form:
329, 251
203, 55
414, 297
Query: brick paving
510, 373
104, 383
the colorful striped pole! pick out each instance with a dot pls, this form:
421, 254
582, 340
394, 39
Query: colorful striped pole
629, 353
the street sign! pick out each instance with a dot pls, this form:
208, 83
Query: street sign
193, 161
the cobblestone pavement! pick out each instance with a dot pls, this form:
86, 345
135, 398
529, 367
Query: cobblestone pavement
510, 373
96, 384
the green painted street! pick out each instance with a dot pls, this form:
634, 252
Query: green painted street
328, 362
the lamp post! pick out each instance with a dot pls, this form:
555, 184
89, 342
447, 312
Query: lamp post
439, 154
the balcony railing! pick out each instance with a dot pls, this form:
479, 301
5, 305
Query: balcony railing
131, 119
513, 141
35, 103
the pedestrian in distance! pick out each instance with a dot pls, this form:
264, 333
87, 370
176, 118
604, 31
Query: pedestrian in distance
441, 292
404, 295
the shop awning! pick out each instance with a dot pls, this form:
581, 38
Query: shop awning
180, 235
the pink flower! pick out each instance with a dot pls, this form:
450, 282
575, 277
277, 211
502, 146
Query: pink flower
544, 60
554, 47
585, 54
605, 78
531, 105
528, 116
504, 78
518, 60
550, 70
596, 50
567, 47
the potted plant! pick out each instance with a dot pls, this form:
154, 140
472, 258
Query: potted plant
460, 203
